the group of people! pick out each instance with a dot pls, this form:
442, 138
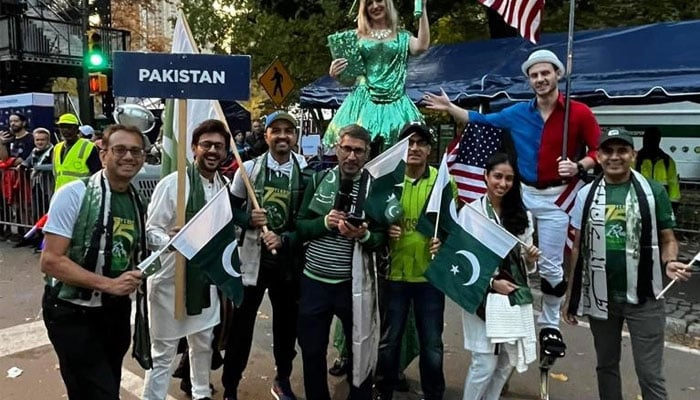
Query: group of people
33, 165
308, 243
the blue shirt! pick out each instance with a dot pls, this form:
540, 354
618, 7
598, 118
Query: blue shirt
539, 143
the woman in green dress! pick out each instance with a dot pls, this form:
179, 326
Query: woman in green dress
378, 102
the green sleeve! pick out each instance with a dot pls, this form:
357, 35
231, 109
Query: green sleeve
664, 212
309, 224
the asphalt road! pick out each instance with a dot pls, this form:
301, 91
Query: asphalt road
23, 344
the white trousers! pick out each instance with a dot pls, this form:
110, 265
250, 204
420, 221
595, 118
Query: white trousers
487, 375
552, 224
163, 352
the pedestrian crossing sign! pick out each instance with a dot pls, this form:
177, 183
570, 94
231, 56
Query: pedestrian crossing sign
276, 82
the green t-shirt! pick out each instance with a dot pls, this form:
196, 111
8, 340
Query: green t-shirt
124, 234
410, 254
615, 232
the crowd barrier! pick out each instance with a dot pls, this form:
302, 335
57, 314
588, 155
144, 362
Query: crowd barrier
26, 194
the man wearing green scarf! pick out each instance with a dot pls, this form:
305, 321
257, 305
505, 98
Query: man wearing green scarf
210, 142
94, 238
279, 178
338, 267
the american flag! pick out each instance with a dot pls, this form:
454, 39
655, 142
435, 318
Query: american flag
566, 202
523, 15
466, 158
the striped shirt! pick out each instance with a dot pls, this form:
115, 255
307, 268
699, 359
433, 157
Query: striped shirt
329, 258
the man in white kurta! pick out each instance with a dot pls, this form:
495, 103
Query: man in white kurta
210, 141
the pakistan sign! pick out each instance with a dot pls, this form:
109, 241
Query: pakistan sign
181, 76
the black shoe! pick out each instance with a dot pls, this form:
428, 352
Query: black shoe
341, 367
551, 343
402, 384
282, 390
186, 386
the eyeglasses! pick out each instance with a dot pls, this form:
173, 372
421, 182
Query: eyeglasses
206, 146
120, 151
358, 151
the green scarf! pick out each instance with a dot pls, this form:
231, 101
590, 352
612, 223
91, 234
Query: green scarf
196, 282
296, 187
324, 196
91, 244
513, 266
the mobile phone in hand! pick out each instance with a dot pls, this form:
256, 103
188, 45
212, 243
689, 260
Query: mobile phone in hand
355, 221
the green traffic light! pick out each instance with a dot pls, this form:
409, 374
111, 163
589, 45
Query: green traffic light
96, 60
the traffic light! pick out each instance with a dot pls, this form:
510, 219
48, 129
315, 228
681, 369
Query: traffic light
98, 83
96, 59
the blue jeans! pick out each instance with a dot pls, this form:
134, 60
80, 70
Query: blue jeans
429, 309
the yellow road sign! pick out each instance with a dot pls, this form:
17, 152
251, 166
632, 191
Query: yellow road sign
276, 82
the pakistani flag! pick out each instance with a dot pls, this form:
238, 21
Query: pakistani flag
388, 169
474, 248
439, 203
197, 110
208, 241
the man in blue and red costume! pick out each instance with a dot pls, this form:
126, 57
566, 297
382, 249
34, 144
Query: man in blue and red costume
549, 182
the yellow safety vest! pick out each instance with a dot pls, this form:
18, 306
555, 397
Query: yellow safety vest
659, 172
74, 165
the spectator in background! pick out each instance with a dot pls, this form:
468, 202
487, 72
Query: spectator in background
256, 140
87, 131
241, 145
74, 157
18, 144
41, 177
654, 163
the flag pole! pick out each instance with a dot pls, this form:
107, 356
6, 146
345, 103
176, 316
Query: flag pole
244, 174
222, 117
697, 257
180, 272
569, 68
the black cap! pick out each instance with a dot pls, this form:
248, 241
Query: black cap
616, 134
419, 128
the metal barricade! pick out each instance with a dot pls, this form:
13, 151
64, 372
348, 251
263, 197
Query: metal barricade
24, 200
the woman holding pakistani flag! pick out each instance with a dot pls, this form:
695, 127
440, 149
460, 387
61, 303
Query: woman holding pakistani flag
493, 332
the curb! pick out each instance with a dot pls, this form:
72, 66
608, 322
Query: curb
682, 318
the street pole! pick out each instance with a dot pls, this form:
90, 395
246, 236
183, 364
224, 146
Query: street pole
84, 99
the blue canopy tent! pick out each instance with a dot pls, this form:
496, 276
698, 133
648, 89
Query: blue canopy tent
644, 64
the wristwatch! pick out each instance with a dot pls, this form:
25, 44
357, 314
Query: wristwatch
581, 170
